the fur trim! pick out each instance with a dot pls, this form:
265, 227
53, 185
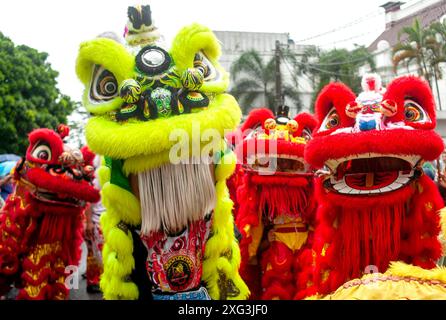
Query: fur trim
143, 163
222, 254
401, 269
323, 148
414, 237
49, 136
197, 38
336, 95
104, 175
122, 201
256, 118
306, 120
88, 155
414, 88
118, 289
111, 55
152, 138
80, 190
226, 166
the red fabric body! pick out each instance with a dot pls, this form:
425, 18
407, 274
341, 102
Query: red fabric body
356, 233
260, 199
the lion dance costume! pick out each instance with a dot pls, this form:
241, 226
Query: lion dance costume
276, 203
378, 212
41, 223
168, 225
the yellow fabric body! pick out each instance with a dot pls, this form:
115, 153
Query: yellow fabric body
401, 282
222, 254
146, 145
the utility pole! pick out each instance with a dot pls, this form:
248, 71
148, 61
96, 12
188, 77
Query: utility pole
278, 96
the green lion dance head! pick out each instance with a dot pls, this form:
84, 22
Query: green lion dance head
148, 105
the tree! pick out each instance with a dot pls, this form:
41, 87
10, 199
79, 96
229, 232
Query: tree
419, 46
253, 78
29, 98
339, 65
438, 50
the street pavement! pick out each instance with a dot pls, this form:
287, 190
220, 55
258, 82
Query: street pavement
80, 293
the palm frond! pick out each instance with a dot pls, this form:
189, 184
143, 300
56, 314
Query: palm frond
249, 63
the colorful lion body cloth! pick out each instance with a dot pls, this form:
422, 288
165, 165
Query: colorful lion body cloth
275, 202
375, 204
41, 222
159, 119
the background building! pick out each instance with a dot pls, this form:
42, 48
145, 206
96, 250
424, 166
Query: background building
234, 43
399, 15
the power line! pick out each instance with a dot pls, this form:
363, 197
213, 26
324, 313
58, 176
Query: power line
347, 39
355, 22
302, 89
371, 14
325, 71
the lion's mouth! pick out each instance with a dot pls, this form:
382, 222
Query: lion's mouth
56, 198
273, 164
371, 173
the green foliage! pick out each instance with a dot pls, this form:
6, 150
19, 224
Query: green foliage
339, 65
426, 47
253, 78
29, 98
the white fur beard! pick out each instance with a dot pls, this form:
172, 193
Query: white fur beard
173, 196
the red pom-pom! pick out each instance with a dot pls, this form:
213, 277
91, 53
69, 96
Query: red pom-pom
63, 130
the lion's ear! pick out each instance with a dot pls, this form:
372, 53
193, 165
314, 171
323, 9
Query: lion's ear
196, 46
330, 107
414, 100
256, 118
306, 120
102, 64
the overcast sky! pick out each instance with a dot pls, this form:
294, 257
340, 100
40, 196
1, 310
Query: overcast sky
58, 26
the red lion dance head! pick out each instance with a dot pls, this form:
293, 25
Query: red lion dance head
274, 194
375, 203
41, 222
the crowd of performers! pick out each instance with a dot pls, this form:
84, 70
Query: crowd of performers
343, 204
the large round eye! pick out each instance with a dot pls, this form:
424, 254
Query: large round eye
153, 60
42, 152
104, 86
331, 120
210, 73
306, 134
413, 112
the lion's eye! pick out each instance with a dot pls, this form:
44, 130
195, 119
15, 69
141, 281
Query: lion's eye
413, 112
331, 120
104, 86
210, 73
42, 152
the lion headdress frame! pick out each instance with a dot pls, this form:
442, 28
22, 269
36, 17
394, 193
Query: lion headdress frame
139, 94
42, 221
274, 193
375, 203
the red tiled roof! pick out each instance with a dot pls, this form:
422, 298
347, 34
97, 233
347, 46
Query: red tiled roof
426, 16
